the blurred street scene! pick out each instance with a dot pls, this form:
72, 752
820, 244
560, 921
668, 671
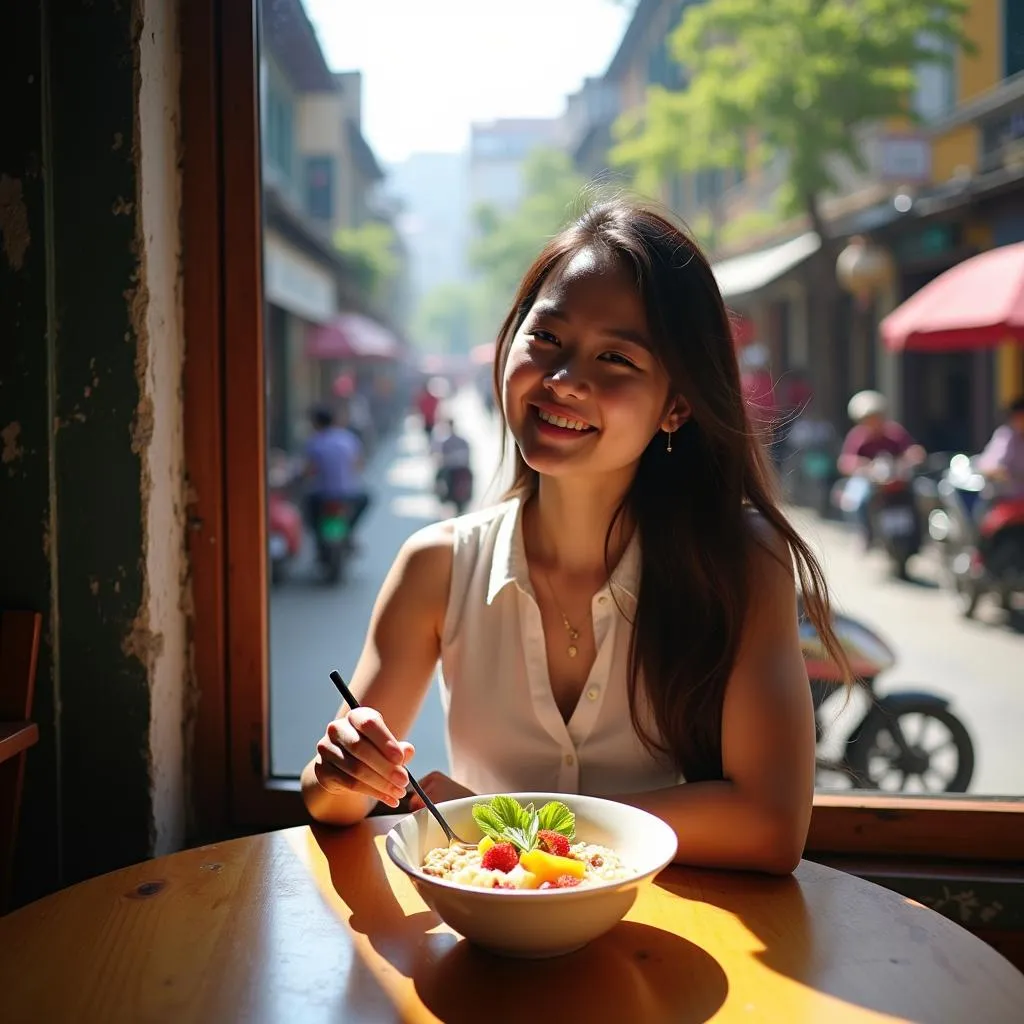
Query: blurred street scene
869, 243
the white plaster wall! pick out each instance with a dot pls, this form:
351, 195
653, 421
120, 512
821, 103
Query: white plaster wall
159, 323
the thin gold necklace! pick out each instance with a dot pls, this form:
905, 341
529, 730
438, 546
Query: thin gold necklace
574, 634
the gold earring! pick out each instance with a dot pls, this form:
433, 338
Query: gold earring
668, 446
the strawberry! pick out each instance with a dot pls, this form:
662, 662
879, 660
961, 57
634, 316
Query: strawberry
500, 857
562, 882
566, 881
553, 842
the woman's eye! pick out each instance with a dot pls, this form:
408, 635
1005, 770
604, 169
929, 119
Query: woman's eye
543, 336
618, 359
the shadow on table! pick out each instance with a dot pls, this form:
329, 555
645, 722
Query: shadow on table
821, 932
634, 972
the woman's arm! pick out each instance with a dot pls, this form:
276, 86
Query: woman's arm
394, 670
757, 819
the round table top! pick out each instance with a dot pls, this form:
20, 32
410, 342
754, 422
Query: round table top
308, 925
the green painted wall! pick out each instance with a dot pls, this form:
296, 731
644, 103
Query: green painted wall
72, 498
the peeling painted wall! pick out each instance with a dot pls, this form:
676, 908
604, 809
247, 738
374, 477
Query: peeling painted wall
91, 452
161, 351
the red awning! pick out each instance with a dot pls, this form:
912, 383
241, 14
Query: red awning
976, 304
351, 336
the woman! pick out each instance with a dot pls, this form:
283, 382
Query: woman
627, 619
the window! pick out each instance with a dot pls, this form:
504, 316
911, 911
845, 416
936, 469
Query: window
228, 416
320, 187
279, 126
1013, 37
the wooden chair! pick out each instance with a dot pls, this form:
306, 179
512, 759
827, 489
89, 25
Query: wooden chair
19, 651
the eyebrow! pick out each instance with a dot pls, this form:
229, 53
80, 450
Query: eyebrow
549, 309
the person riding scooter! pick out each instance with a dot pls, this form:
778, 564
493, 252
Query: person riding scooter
1002, 461
334, 462
874, 441
454, 479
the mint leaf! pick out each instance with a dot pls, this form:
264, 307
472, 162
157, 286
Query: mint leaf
488, 822
509, 811
519, 838
531, 832
558, 818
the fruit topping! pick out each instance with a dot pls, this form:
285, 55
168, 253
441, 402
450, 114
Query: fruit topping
500, 857
553, 842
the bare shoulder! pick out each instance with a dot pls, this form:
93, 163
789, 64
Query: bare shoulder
770, 556
425, 559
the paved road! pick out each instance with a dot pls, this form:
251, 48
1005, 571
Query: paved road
979, 666
314, 628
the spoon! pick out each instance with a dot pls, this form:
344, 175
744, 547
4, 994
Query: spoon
453, 839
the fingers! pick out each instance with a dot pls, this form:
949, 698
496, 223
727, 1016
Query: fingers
369, 724
359, 754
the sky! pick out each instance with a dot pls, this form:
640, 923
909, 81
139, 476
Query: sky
432, 67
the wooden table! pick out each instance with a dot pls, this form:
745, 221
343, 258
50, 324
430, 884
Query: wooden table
304, 925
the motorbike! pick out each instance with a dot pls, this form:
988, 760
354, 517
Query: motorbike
454, 485
893, 515
284, 533
284, 520
905, 740
980, 553
333, 544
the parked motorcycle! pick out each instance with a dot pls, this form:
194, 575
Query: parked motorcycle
981, 553
284, 533
905, 740
284, 520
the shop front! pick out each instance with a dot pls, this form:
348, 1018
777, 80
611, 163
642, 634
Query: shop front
300, 294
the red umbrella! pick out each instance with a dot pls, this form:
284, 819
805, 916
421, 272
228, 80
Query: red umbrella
976, 304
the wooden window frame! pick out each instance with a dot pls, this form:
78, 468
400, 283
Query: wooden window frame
225, 414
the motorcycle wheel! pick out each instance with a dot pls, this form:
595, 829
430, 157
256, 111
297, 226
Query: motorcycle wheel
332, 561
873, 753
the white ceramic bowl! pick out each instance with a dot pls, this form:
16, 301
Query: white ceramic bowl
534, 923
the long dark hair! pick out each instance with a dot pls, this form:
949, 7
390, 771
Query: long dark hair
693, 505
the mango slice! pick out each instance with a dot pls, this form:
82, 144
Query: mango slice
485, 844
549, 868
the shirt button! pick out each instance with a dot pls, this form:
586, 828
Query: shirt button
592, 693
570, 760
603, 599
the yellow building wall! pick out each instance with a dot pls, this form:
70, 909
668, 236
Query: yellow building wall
1009, 373
976, 73
982, 70
954, 149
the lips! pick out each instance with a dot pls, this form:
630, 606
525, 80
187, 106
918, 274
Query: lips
562, 419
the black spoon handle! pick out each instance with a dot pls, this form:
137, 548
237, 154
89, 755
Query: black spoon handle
350, 700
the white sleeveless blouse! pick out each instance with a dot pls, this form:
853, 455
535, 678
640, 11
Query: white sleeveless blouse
504, 729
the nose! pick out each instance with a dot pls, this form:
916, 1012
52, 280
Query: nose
566, 381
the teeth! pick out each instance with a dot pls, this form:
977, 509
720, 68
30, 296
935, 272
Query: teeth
561, 421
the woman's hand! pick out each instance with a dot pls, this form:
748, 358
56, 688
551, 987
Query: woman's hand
359, 754
438, 787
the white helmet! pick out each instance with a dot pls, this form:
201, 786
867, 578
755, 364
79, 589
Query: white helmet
866, 403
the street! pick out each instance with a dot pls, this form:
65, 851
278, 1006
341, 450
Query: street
978, 666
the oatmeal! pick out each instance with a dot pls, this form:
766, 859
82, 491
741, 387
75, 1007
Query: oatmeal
526, 849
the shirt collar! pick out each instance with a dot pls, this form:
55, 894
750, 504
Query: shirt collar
509, 564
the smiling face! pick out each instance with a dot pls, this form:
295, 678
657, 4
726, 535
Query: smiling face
583, 392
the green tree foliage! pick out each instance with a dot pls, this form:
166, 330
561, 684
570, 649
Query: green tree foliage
799, 75
370, 250
799, 78
447, 318
507, 243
